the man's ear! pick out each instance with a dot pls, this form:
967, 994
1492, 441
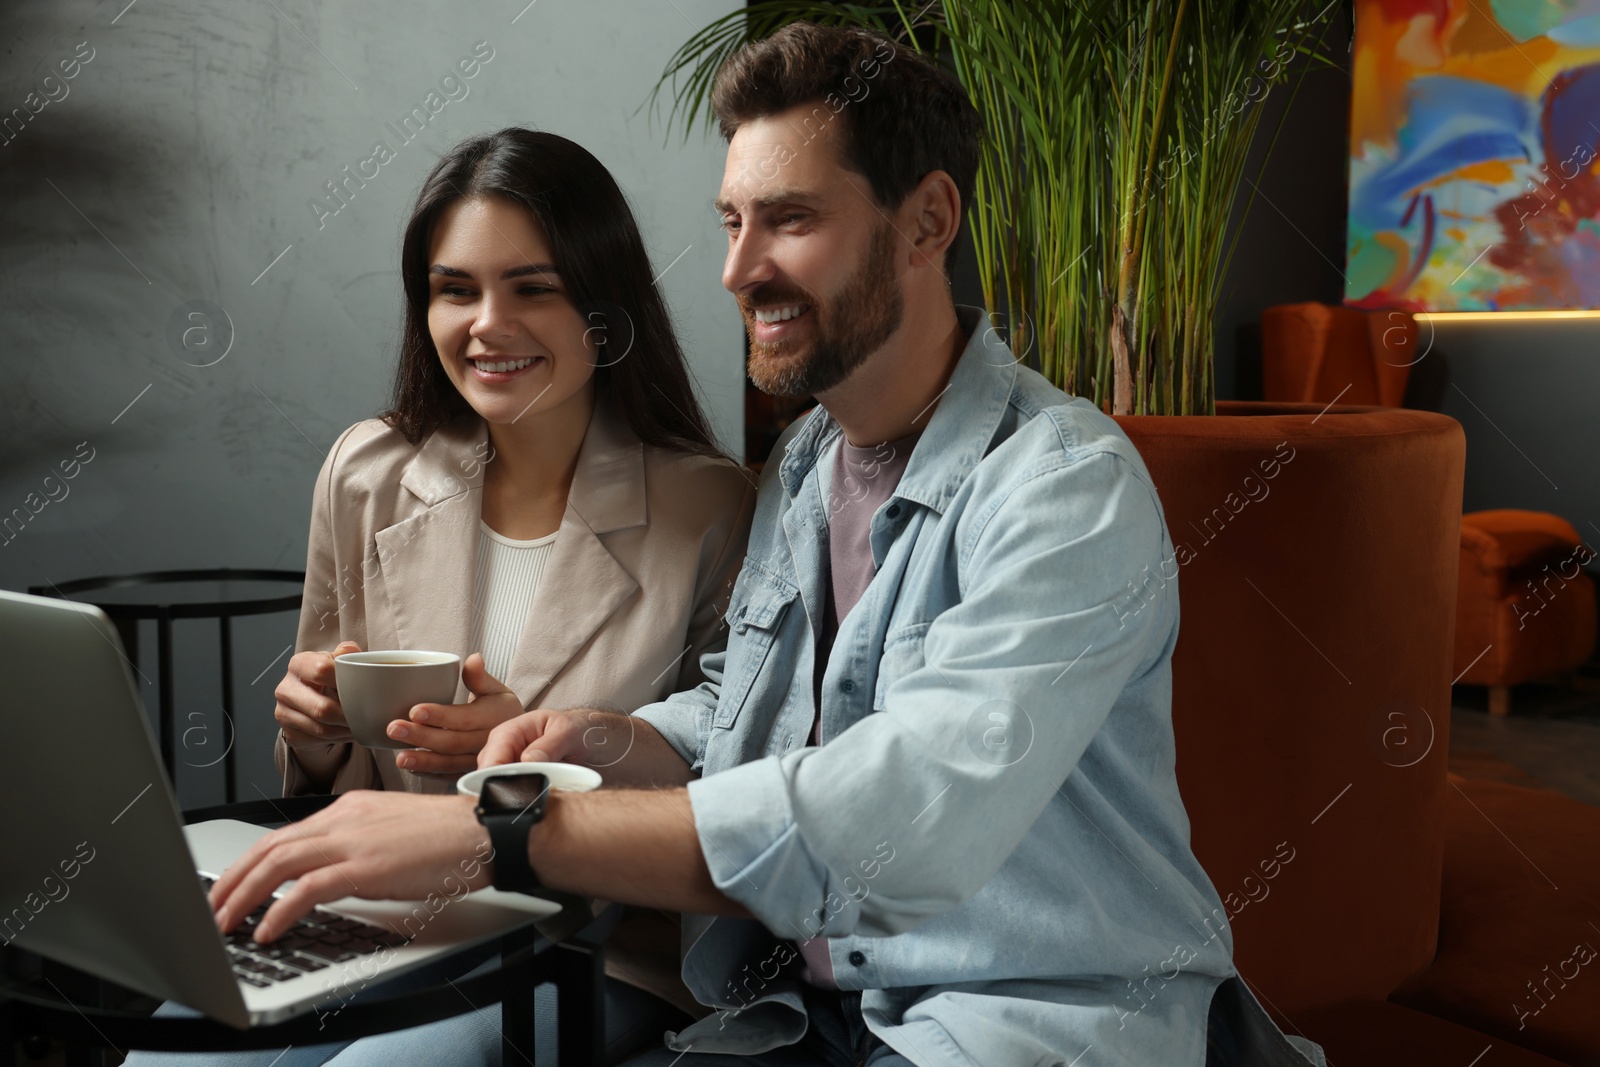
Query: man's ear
932, 212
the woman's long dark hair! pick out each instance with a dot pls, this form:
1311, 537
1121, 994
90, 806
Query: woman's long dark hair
604, 268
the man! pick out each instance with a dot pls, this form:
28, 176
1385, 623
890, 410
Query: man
925, 811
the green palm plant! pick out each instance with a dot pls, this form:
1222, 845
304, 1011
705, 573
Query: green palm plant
1118, 132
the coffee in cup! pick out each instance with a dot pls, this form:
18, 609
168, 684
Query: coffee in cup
376, 688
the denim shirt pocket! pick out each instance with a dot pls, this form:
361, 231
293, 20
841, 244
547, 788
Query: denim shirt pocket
902, 654
756, 608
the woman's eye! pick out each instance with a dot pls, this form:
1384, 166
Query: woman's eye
533, 290
453, 290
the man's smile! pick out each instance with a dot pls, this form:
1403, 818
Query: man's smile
781, 314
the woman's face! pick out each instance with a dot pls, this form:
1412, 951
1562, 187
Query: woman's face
500, 317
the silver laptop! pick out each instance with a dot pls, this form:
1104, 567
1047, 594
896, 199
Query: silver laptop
98, 871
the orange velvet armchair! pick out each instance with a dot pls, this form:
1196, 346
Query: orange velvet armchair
1419, 921
1316, 353
1524, 608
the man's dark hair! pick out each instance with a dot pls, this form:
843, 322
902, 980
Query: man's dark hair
900, 115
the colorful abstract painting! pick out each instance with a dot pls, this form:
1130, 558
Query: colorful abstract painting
1474, 134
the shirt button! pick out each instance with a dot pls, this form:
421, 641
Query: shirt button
858, 958
848, 686
894, 511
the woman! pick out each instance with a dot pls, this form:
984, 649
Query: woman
543, 428
544, 494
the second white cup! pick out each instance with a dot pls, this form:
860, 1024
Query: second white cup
565, 776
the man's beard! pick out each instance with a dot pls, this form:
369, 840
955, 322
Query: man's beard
866, 314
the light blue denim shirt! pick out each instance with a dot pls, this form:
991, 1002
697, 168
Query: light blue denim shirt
990, 834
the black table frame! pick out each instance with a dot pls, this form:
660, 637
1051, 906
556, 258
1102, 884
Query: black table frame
576, 965
126, 618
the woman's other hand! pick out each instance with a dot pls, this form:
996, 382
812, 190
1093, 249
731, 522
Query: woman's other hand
450, 736
308, 700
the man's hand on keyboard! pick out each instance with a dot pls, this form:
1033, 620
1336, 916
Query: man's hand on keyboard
371, 844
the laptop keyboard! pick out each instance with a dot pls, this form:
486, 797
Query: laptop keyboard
312, 943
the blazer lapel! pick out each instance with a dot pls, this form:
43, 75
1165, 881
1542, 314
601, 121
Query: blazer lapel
583, 585
429, 561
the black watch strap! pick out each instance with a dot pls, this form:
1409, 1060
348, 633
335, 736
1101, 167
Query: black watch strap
508, 806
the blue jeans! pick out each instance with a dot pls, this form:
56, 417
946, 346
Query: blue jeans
837, 1036
634, 1020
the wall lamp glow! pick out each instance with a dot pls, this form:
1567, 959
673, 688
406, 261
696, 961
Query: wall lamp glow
1502, 316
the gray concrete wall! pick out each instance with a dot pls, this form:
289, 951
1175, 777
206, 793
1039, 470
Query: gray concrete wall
180, 163
1525, 391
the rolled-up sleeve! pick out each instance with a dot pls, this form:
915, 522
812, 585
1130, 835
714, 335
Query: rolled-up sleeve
988, 707
684, 719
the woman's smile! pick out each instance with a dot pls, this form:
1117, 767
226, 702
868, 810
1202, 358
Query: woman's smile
492, 370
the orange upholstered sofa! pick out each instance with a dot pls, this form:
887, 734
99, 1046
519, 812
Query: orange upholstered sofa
1417, 911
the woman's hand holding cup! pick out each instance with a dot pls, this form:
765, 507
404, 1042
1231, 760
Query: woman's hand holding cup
449, 736
308, 707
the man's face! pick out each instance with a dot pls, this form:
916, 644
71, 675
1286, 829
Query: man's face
811, 257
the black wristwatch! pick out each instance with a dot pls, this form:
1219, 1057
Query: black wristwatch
508, 807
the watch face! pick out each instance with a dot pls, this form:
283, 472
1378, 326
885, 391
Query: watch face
513, 793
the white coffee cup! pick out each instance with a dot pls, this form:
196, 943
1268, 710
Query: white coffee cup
376, 688
568, 776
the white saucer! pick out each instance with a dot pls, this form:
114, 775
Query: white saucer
568, 776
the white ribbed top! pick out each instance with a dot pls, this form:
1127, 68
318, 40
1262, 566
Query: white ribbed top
508, 575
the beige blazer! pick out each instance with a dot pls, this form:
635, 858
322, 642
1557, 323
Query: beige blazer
633, 592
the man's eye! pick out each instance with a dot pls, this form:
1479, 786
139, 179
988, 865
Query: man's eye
731, 225
793, 217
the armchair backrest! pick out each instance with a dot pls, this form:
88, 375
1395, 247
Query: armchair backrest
1317, 569
1314, 353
